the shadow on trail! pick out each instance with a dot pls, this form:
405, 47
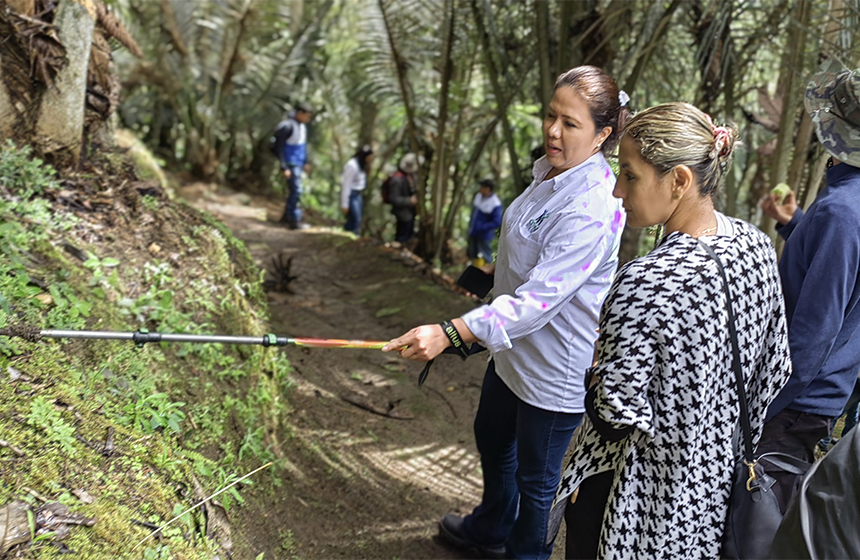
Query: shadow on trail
359, 483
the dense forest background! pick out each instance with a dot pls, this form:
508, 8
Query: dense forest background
462, 82
97, 97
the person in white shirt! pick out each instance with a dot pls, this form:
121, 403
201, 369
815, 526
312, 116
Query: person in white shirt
558, 251
353, 183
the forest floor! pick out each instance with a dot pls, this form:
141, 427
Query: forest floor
373, 461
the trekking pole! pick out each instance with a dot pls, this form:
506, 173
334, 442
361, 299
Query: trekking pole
143, 336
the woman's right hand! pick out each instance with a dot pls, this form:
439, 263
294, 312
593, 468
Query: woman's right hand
781, 212
489, 268
421, 343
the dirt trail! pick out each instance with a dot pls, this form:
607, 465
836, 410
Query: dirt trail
359, 484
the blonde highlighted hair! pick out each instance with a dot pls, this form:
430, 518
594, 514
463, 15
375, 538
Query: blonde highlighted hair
675, 134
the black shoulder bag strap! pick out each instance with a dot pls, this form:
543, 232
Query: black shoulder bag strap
749, 459
780, 460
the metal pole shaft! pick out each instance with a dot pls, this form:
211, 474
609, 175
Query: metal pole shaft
143, 337
163, 337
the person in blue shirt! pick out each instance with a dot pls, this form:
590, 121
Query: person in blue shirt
820, 274
291, 146
486, 219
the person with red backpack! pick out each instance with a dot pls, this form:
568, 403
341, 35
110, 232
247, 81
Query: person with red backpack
399, 191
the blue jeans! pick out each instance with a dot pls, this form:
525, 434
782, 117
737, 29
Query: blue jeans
293, 211
353, 218
522, 448
480, 248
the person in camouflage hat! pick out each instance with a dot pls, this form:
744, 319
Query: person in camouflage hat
833, 102
820, 282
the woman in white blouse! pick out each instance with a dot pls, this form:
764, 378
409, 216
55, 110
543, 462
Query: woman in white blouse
558, 250
353, 183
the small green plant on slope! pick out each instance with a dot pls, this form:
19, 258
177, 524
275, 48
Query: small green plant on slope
153, 412
44, 416
102, 279
22, 174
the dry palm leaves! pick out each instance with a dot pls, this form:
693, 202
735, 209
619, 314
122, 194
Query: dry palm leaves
53, 518
35, 54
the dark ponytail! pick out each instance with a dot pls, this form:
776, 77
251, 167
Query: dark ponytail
601, 93
361, 157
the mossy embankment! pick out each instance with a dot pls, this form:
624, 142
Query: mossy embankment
128, 436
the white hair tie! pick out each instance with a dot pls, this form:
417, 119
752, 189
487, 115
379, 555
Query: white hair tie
623, 98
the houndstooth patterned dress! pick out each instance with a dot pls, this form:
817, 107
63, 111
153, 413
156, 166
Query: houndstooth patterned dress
664, 365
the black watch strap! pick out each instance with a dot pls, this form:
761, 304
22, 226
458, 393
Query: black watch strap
456, 340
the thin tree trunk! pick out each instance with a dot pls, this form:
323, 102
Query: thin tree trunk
402, 81
440, 184
297, 9
562, 57
646, 49
541, 8
173, 28
461, 179
731, 105
800, 157
7, 113
749, 176
501, 109
814, 181
792, 94
229, 58
411, 130
60, 125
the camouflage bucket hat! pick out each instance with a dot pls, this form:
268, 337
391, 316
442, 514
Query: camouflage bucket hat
833, 102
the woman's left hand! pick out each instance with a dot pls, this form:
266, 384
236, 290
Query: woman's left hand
421, 343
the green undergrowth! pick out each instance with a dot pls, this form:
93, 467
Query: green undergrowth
134, 430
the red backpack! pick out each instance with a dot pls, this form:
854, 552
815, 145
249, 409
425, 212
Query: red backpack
386, 186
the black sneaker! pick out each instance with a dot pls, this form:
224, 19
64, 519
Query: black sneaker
295, 225
450, 531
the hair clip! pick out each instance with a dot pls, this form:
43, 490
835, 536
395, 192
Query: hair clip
721, 140
623, 98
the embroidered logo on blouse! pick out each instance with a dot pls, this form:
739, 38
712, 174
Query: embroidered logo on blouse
535, 223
